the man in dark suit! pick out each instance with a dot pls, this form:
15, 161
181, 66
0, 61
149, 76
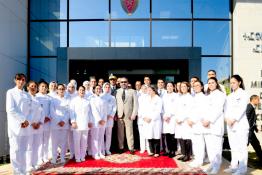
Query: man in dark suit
112, 80
252, 117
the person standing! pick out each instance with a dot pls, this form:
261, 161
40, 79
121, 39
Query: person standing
237, 126
18, 111
113, 86
52, 89
111, 111
80, 116
210, 74
252, 118
127, 106
153, 121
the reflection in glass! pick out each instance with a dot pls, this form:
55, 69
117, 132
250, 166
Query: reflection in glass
169, 33
48, 9
45, 37
213, 37
88, 9
220, 65
130, 34
142, 10
171, 8
89, 34
44, 68
211, 8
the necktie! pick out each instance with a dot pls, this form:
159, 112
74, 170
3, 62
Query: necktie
160, 92
123, 95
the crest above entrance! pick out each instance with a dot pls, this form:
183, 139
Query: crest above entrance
129, 6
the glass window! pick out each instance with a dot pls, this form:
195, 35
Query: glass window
89, 34
213, 37
89, 9
142, 10
170, 33
211, 8
46, 37
43, 68
221, 65
171, 8
130, 34
48, 9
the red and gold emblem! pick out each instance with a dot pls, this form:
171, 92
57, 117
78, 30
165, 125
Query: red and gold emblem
129, 6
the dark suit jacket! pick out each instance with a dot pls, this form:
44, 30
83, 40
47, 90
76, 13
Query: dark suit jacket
252, 117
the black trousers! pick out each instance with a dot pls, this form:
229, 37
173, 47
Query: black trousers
186, 147
154, 145
171, 142
163, 141
255, 144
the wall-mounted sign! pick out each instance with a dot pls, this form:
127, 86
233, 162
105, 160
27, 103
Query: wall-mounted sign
256, 38
255, 83
129, 6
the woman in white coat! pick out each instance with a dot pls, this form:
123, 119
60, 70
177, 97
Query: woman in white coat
182, 129
99, 113
214, 125
111, 110
60, 114
169, 106
37, 121
45, 101
153, 121
80, 116
19, 131
237, 126
198, 113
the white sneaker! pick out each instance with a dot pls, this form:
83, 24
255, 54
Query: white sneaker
78, 160
208, 169
108, 153
82, 160
102, 156
230, 170
142, 151
96, 157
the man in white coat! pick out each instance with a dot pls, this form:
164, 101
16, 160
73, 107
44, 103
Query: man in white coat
19, 132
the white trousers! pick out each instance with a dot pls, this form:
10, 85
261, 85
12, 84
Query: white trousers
80, 143
89, 143
144, 145
214, 144
37, 149
97, 146
239, 153
46, 147
21, 153
108, 134
59, 138
198, 145
71, 143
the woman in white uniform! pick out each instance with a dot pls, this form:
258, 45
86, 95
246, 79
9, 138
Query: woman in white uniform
111, 110
19, 131
60, 113
45, 101
198, 113
153, 121
80, 116
214, 125
99, 113
237, 126
169, 106
183, 130
37, 121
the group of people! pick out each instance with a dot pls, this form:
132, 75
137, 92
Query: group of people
50, 119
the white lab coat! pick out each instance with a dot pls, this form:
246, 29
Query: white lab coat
161, 92
184, 106
235, 108
141, 108
111, 107
169, 107
153, 111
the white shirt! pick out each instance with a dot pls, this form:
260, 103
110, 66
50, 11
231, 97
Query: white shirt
111, 107
141, 108
37, 115
235, 108
52, 94
45, 101
80, 112
99, 110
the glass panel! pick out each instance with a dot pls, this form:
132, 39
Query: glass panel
46, 37
43, 68
211, 9
142, 10
171, 8
48, 9
166, 33
130, 34
89, 9
221, 65
213, 37
89, 34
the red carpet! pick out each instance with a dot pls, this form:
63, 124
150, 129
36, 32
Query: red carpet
117, 164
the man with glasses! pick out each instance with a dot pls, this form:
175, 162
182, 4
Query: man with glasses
127, 106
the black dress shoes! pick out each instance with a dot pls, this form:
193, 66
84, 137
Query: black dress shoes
121, 151
132, 152
186, 158
181, 158
171, 155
